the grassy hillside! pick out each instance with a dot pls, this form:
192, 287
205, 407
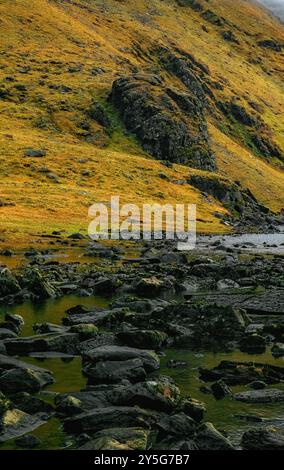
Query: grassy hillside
57, 56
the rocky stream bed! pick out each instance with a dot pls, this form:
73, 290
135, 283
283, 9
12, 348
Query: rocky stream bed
141, 346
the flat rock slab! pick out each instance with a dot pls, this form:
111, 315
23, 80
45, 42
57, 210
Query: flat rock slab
149, 359
63, 342
109, 417
7, 362
98, 318
267, 395
266, 303
15, 423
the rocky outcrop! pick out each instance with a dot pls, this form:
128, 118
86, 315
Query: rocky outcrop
245, 209
170, 124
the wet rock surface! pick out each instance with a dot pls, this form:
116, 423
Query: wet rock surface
209, 301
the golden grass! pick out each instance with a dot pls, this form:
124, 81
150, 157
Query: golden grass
49, 36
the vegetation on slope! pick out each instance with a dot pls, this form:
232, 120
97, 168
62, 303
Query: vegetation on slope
58, 57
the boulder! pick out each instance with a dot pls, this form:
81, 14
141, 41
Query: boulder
24, 380
263, 439
224, 284
268, 395
220, 389
9, 285
98, 318
149, 359
108, 439
115, 371
34, 281
149, 287
15, 423
30, 404
144, 339
278, 350
65, 342
109, 417
193, 408
177, 424
85, 330
208, 438
242, 373
160, 395
253, 344
28, 441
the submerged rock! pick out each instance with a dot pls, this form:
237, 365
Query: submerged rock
271, 395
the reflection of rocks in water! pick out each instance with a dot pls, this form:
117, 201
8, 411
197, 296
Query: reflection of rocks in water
216, 301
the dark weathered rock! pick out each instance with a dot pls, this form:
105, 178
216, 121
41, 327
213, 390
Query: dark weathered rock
24, 380
263, 439
278, 350
15, 423
145, 339
166, 128
28, 441
115, 371
176, 424
211, 17
193, 408
104, 418
220, 390
35, 281
208, 438
242, 373
149, 359
8, 283
272, 395
35, 153
160, 395
119, 439
98, 318
253, 344
49, 342
30, 404
271, 44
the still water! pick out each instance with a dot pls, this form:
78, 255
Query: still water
68, 375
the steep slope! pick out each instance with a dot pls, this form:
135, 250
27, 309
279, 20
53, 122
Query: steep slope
59, 59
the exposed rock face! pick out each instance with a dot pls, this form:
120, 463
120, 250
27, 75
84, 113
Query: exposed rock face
263, 439
169, 124
240, 201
